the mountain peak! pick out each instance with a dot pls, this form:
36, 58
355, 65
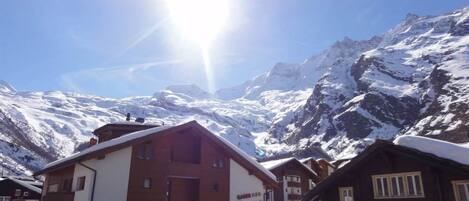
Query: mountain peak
5, 87
191, 90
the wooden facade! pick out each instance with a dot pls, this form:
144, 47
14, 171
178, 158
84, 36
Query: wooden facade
11, 190
385, 171
57, 185
322, 167
174, 163
178, 164
295, 180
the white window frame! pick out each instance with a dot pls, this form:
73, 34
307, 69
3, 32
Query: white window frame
293, 190
348, 189
404, 175
53, 188
294, 178
456, 189
5, 198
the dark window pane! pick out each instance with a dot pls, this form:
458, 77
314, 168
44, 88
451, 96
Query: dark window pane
401, 185
379, 187
417, 185
462, 192
394, 186
385, 185
410, 185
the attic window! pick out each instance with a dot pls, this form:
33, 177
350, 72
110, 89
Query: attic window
26, 194
461, 190
17, 192
145, 151
400, 185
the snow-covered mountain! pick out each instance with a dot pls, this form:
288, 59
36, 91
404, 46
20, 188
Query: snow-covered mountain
413, 80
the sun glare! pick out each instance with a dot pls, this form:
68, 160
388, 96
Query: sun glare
199, 20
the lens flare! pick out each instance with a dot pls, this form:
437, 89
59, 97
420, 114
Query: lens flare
200, 21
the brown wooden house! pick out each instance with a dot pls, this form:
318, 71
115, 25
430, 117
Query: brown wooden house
294, 178
387, 171
321, 166
170, 163
20, 189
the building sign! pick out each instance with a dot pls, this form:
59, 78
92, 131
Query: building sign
248, 195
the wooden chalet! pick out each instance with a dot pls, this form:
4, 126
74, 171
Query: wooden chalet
20, 189
321, 166
170, 163
427, 170
294, 178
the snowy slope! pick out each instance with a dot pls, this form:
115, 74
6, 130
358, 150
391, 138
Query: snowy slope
412, 80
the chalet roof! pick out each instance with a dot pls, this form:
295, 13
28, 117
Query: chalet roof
375, 149
126, 124
270, 165
141, 136
27, 184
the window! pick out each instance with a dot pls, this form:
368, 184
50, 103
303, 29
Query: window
218, 163
26, 194
346, 193
461, 190
147, 183
293, 190
53, 188
294, 178
5, 198
145, 151
311, 184
67, 185
80, 183
400, 185
17, 192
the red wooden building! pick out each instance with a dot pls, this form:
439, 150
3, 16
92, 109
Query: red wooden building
137, 162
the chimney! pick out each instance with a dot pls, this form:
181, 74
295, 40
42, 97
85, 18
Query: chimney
127, 117
140, 120
93, 141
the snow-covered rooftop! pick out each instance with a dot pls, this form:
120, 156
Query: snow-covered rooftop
442, 149
150, 131
29, 185
270, 165
110, 143
276, 163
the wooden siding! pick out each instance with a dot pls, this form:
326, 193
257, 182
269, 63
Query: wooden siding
58, 177
292, 168
213, 181
436, 180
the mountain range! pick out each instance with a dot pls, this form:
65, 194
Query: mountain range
411, 80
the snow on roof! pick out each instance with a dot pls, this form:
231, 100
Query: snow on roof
110, 143
143, 133
306, 159
442, 149
247, 157
27, 185
270, 165
276, 163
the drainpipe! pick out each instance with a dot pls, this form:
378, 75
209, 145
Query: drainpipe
94, 179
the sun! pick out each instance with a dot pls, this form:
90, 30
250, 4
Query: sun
199, 20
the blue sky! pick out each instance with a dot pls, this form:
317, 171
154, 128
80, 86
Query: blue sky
118, 48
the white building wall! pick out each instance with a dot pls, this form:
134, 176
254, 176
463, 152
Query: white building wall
241, 183
112, 177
